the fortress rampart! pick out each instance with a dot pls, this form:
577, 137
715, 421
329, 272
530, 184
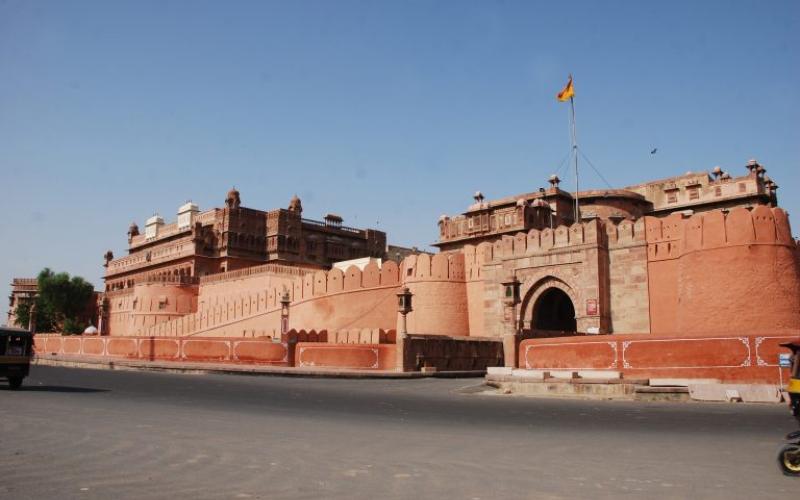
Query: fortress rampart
673, 275
440, 295
721, 273
246, 303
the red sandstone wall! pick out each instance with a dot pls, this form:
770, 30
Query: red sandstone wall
728, 358
475, 258
571, 258
346, 356
713, 273
249, 305
354, 350
362, 336
627, 290
440, 294
363, 308
191, 349
133, 311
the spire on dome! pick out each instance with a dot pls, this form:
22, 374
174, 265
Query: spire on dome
233, 200
295, 205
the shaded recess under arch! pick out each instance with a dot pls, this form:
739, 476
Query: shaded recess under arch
554, 311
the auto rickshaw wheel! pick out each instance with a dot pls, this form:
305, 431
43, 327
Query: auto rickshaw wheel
14, 383
789, 460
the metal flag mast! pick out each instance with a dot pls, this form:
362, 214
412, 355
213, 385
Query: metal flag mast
575, 154
568, 92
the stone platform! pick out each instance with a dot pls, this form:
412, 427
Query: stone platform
611, 384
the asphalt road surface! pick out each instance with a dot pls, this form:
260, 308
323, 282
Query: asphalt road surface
72, 433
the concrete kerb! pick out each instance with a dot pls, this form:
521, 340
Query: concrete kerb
542, 384
229, 369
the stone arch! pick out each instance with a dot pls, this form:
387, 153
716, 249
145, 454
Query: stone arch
554, 311
544, 295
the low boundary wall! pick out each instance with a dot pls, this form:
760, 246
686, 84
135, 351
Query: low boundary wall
346, 356
371, 350
217, 350
728, 358
414, 352
445, 353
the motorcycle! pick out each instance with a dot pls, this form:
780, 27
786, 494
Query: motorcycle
789, 454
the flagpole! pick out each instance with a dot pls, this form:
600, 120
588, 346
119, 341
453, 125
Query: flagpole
575, 154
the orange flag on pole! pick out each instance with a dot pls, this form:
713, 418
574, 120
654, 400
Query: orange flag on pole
567, 92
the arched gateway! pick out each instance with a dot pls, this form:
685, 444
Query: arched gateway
554, 311
548, 309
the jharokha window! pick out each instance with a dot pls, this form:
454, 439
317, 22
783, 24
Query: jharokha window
694, 193
672, 196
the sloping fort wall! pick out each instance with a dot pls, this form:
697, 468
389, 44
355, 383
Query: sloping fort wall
248, 304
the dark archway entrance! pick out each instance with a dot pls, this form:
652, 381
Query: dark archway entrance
554, 311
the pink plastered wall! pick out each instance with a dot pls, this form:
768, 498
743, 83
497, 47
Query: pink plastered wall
439, 294
249, 305
728, 358
135, 310
715, 273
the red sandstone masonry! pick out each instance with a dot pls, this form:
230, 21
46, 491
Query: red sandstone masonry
247, 302
198, 349
345, 356
336, 299
440, 294
296, 348
728, 358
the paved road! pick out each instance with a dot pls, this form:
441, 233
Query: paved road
75, 433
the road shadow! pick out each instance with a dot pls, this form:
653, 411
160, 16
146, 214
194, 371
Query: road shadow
53, 388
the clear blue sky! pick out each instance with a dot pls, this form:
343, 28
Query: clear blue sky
388, 113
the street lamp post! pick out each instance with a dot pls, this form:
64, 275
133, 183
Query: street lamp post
404, 306
285, 301
511, 296
512, 336
32, 318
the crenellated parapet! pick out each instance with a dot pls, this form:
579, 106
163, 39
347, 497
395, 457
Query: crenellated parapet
335, 281
439, 267
536, 241
678, 234
253, 271
625, 233
475, 258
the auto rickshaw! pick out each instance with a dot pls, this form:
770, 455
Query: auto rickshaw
789, 454
16, 351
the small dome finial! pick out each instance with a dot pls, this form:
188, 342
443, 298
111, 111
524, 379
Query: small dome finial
295, 205
233, 200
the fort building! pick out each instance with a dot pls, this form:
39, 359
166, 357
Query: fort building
601, 275
235, 237
552, 207
172, 258
23, 292
703, 262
